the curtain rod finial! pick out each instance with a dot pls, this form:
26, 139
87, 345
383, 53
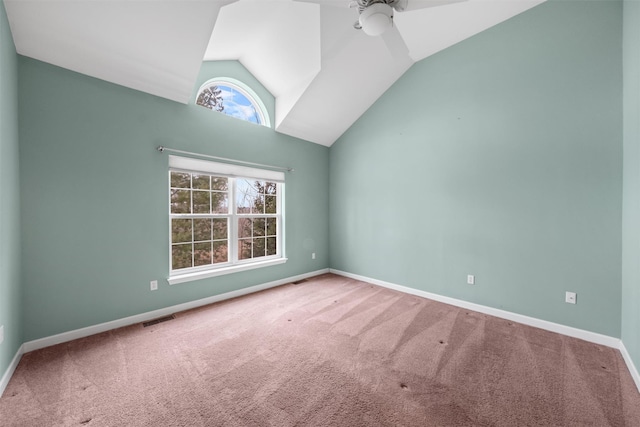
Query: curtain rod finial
160, 148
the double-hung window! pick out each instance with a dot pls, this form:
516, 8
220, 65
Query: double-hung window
224, 218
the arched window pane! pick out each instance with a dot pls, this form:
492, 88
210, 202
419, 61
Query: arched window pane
233, 100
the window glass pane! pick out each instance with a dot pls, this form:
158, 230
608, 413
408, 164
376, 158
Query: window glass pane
271, 188
238, 105
211, 98
259, 247
244, 248
258, 227
233, 98
220, 203
218, 183
220, 229
202, 254
270, 206
180, 230
258, 204
180, 201
201, 182
180, 180
244, 227
181, 256
228, 100
245, 195
271, 226
201, 202
201, 229
220, 252
271, 245
250, 196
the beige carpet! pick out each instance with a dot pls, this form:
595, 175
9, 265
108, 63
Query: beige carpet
327, 352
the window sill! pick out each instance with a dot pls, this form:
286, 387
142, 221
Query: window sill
189, 277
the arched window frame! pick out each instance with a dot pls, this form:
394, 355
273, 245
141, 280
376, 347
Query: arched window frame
246, 91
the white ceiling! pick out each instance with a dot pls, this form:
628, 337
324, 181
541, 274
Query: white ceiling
323, 73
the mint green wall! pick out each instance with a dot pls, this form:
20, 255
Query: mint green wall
10, 297
500, 157
94, 206
631, 187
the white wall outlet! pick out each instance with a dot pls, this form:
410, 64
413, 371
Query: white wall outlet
570, 297
471, 279
313, 255
1, 334
154, 285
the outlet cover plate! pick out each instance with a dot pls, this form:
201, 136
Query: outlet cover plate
570, 297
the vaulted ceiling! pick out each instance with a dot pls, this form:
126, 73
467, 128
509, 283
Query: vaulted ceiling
323, 73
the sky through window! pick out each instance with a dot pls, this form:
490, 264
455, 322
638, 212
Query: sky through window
231, 99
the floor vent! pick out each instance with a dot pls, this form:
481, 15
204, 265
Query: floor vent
297, 282
159, 320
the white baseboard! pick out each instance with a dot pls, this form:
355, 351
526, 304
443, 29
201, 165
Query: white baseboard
11, 369
531, 321
632, 367
150, 315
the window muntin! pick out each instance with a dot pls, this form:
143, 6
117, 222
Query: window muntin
220, 221
233, 98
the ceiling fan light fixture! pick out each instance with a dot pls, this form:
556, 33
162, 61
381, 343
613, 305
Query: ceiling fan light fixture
376, 19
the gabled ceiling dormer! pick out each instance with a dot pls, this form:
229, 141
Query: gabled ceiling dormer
323, 73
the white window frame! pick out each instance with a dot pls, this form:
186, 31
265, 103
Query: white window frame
233, 172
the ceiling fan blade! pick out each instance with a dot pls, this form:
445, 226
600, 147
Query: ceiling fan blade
396, 45
408, 5
333, 3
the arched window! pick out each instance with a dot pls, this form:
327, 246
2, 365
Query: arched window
233, 98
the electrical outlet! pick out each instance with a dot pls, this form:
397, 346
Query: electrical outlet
1, 334
313, 255
154, 285
570, 297
471, 279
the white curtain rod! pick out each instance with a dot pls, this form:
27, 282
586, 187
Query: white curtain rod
240, 162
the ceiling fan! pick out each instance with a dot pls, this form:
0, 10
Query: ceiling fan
376, 17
